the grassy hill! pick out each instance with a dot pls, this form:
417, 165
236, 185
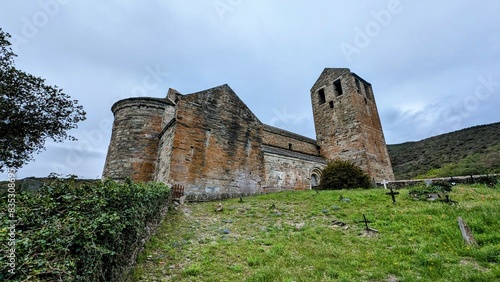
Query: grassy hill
304, 236
474, 150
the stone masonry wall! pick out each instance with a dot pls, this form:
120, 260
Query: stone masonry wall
371, 131
166, 140
165, 152
347, 122
471, 179
133, 148
336, 127
216, 146
289, 172
213, 145
287, 140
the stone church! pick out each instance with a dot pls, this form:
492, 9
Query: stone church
211, 143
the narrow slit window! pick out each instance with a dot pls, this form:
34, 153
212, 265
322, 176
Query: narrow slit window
367, 91
331, 104
289, 146
321, 95
358, 85
337, 87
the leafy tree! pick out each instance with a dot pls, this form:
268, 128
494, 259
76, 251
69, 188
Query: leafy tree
30, 111
341, 174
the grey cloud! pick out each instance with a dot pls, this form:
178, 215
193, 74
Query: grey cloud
423, 64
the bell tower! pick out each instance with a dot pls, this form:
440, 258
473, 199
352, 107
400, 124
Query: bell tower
347, 122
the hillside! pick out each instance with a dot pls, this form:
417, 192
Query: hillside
305, 236
474, 150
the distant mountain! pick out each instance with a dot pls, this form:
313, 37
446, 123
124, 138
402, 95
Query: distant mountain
474, 150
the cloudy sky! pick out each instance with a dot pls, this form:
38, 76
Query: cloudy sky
434, 66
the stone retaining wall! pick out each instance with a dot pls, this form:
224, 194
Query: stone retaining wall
398, 184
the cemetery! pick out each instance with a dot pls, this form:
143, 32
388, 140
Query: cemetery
393, 234
441, 229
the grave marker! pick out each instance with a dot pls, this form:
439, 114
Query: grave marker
366, 221
342, 199
392, 193
452, 181
448, 200
466, 233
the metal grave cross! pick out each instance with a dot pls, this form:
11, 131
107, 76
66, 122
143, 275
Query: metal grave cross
448, 200
365, 221
392, 193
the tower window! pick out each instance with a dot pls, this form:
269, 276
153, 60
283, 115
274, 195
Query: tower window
289, 146
367, 91
337, 87
358, 85
331, 104
366, 102
321, 95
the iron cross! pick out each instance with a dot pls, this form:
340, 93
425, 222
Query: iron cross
392, 193
365, 221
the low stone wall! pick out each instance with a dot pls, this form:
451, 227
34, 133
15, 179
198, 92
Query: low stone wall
122, 273
398, 184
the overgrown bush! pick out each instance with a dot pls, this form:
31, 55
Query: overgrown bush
343, 174
420, 192
68, 232
490, 180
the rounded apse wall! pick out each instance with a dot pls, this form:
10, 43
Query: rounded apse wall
133, 149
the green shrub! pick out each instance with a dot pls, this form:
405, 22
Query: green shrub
69, 232
343, 174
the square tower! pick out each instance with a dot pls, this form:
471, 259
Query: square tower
347, 122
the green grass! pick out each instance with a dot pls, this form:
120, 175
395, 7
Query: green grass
296, 241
